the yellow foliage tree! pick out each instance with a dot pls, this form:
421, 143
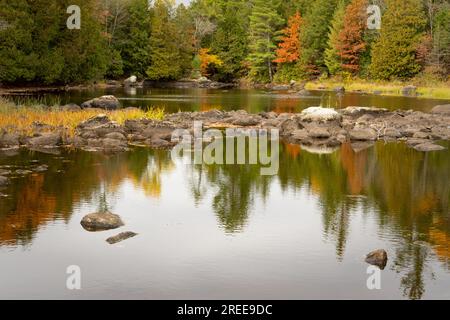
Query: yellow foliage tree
207, 60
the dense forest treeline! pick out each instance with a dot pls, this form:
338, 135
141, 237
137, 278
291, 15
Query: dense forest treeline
225, 40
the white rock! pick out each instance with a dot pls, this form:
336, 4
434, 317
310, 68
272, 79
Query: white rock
317, 114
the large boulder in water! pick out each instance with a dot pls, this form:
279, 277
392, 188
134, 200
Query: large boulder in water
104, 102
378, 258
101, 221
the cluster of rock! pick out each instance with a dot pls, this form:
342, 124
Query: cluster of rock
317, 128
103, 221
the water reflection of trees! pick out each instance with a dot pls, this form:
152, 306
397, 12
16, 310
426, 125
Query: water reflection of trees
407, 191
73, 179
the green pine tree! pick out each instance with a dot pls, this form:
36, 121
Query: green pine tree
164, 51
230, 41
134, 44
314, 36
36, 45
264, 21
394, 53
332, 59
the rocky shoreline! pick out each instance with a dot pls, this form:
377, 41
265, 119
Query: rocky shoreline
317, 128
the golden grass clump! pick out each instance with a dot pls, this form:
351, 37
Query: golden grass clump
20, 118
439, 90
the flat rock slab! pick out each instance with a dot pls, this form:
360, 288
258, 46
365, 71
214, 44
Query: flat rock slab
428, 147
121, 237
101, 221
363, 135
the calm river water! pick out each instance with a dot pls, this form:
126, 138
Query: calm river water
174, 100
225, 231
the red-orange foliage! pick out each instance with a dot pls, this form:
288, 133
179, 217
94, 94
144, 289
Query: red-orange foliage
350, 41
289, 47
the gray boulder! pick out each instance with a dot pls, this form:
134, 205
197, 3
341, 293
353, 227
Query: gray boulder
9, 140
46, 140
104, 102
301, 134
319, 133
101, 221
363, 135
378, 258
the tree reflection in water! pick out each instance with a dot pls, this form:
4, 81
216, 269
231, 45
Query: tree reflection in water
408, 191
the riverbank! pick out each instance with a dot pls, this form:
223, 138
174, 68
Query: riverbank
25, 119
439, 90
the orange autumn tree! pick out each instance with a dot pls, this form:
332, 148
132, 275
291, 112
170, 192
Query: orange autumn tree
351, 42
289, 48
207, 60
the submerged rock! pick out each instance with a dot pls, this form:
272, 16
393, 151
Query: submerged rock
121, 237
101, 221
378, 258
441, 109
23, 172
3, 181
41, 168
428, 147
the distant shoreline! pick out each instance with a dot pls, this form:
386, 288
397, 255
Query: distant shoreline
440, 91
